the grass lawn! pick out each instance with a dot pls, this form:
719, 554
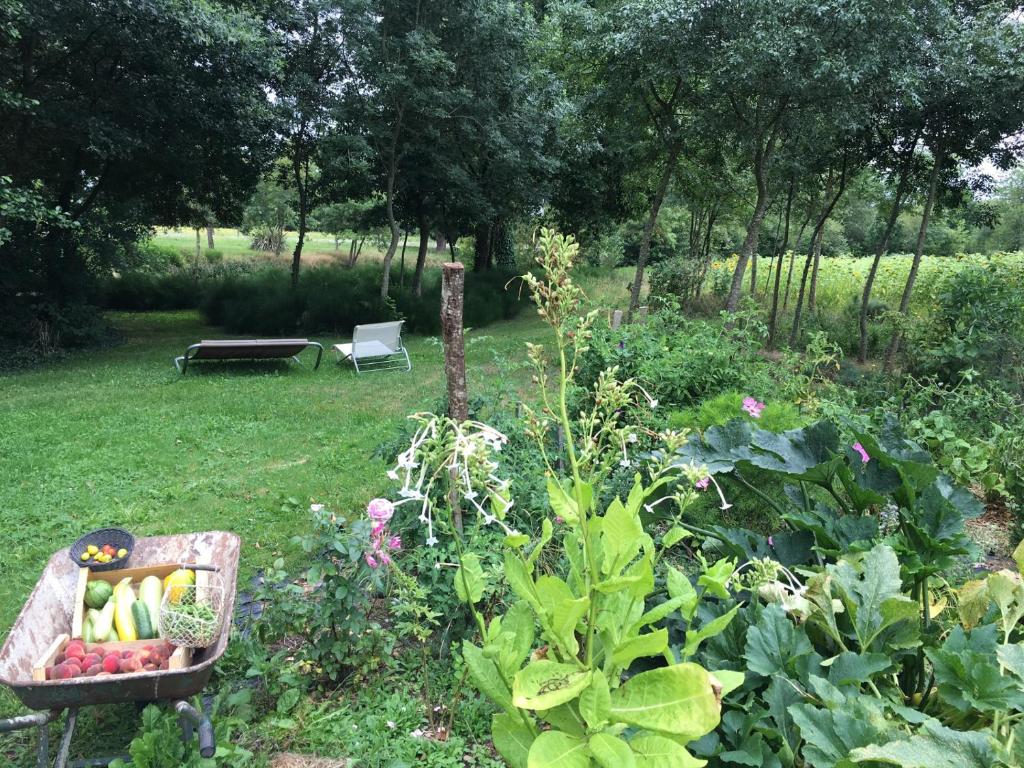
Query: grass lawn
120, 438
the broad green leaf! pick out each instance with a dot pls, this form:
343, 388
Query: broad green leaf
585, 494
729, 679
545, 684
934, 746
596, 702
1007, 592
829, 735
469, 579
715, 578
654, 751
679, 700
967, 675
680, 587
485, 676
660, 611
870, 588
554, 749
850, 668
650, 644
520, 580
517, 635
694, 637
774, 642
564, 717
512, 738
1011, 656
780, 696
1018, 556
561, 503
674, 535
620, 538
517, 540
611, 751
973, 602
547, 531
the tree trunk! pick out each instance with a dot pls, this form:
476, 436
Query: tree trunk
481, 247
209, 236
753, 273
300, 240
441, 243
794, 332
198, 247
773, 318
652, 219
401, 268
883, 246
792, 258
812, 294
908, 289
421, 257
753, 228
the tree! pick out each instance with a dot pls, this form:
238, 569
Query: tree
120, 111
315, 61
268, 214
972, 97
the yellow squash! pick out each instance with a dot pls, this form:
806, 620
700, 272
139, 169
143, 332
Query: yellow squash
124, 596
176, 582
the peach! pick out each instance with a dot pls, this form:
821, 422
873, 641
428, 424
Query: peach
94, 670
130, 665
62, 672
112, 664
59, 659
126, 654
91, 659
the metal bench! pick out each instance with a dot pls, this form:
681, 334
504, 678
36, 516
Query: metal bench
376, 347
247, 349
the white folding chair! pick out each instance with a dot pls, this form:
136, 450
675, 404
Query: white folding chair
376, 347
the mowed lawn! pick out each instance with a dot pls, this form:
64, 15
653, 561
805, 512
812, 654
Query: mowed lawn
118, 437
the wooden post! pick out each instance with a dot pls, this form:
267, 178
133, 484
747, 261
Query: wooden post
453, 280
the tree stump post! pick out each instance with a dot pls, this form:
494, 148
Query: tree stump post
453, 280
616, 319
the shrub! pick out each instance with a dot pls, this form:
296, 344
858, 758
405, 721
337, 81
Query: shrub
679, 361
777, 416
978, 323
214, 256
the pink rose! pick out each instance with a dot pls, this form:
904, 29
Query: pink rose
380, 510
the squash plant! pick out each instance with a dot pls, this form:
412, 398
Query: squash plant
556, 662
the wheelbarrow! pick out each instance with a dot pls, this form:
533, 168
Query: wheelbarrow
50, 612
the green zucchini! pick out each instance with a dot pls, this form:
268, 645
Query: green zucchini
143, 623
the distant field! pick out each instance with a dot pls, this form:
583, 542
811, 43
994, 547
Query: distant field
319, 246
841, 278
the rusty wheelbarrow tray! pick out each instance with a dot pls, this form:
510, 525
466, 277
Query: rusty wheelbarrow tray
49, 612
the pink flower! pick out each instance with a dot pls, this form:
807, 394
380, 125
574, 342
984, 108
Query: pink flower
559, 519
704, 483
753, 407
372, 561
380, 510
395, 542
863, 454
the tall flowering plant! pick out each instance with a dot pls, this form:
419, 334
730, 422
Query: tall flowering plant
554, 662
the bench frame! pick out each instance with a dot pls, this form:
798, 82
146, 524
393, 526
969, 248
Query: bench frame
245, 345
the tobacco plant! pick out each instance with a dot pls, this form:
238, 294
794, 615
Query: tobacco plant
556, 661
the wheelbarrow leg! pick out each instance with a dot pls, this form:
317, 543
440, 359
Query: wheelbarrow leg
43, 754
65, 739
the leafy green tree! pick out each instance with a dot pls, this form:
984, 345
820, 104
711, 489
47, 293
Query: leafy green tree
315, 62
117, 112
270, 211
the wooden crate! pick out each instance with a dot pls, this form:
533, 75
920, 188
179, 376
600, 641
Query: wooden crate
85, 575
181, 658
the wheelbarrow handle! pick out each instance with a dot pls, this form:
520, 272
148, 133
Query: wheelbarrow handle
200, 566
201, 721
